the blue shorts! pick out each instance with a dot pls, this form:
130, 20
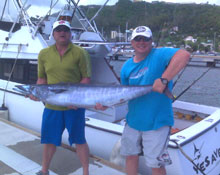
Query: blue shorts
54, 122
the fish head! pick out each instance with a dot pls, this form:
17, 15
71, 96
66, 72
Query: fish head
39, 91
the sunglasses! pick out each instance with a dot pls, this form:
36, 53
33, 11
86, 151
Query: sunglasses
142, 38
62, 29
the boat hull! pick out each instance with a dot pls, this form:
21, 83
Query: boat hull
199, 141
28, 113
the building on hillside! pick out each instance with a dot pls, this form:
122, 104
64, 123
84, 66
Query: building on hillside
154, 2
190, 38
208, 44
174, 29
117, 35
114, 34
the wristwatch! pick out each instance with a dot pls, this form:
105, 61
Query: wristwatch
164, 81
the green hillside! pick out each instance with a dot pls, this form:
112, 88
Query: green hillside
202, 21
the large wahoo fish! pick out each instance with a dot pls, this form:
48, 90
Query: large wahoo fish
84, 95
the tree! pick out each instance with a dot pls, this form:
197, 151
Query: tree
197, 20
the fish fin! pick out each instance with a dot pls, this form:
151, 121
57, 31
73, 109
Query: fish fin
119, 104
168, 93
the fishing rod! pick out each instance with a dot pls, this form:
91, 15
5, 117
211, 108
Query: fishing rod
181, 73
179, 76
195, 81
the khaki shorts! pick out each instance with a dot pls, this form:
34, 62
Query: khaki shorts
153, 144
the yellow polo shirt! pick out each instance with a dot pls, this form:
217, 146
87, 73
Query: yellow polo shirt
71, 67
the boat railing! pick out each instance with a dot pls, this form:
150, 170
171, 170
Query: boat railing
88, 24
98, 31
76, 14
92, 20
22, 8
13, 44
40, 22
26, 17
82, 18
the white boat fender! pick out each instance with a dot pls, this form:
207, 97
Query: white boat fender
115, 156
123, 122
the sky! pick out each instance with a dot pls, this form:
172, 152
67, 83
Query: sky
44, 4
112, 2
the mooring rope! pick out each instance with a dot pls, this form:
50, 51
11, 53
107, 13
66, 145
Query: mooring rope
9, 78
3, 47
187, 157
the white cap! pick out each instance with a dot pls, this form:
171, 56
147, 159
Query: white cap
61, 23
141, 31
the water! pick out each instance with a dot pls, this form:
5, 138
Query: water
205, 91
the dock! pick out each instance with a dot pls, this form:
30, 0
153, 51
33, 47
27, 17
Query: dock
21, 154
205, 60
196, 60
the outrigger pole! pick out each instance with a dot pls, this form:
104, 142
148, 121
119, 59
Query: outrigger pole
3, 11
99, 11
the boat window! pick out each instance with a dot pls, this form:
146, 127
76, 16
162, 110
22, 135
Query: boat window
6, 69
32, 72
18, 73
24, 72
6, 26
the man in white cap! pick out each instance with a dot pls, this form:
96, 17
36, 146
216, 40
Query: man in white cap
149, 117
63, 62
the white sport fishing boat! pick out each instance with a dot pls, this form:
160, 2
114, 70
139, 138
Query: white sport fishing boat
194, 148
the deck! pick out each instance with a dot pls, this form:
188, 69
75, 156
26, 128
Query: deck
21, 151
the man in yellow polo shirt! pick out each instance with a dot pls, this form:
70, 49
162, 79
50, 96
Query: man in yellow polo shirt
63, 62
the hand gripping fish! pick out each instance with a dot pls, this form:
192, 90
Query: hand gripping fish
85, 95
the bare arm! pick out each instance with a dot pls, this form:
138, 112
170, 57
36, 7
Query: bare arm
41, 81
85, 80
177, 63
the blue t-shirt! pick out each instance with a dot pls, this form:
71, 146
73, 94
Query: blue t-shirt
153, 110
